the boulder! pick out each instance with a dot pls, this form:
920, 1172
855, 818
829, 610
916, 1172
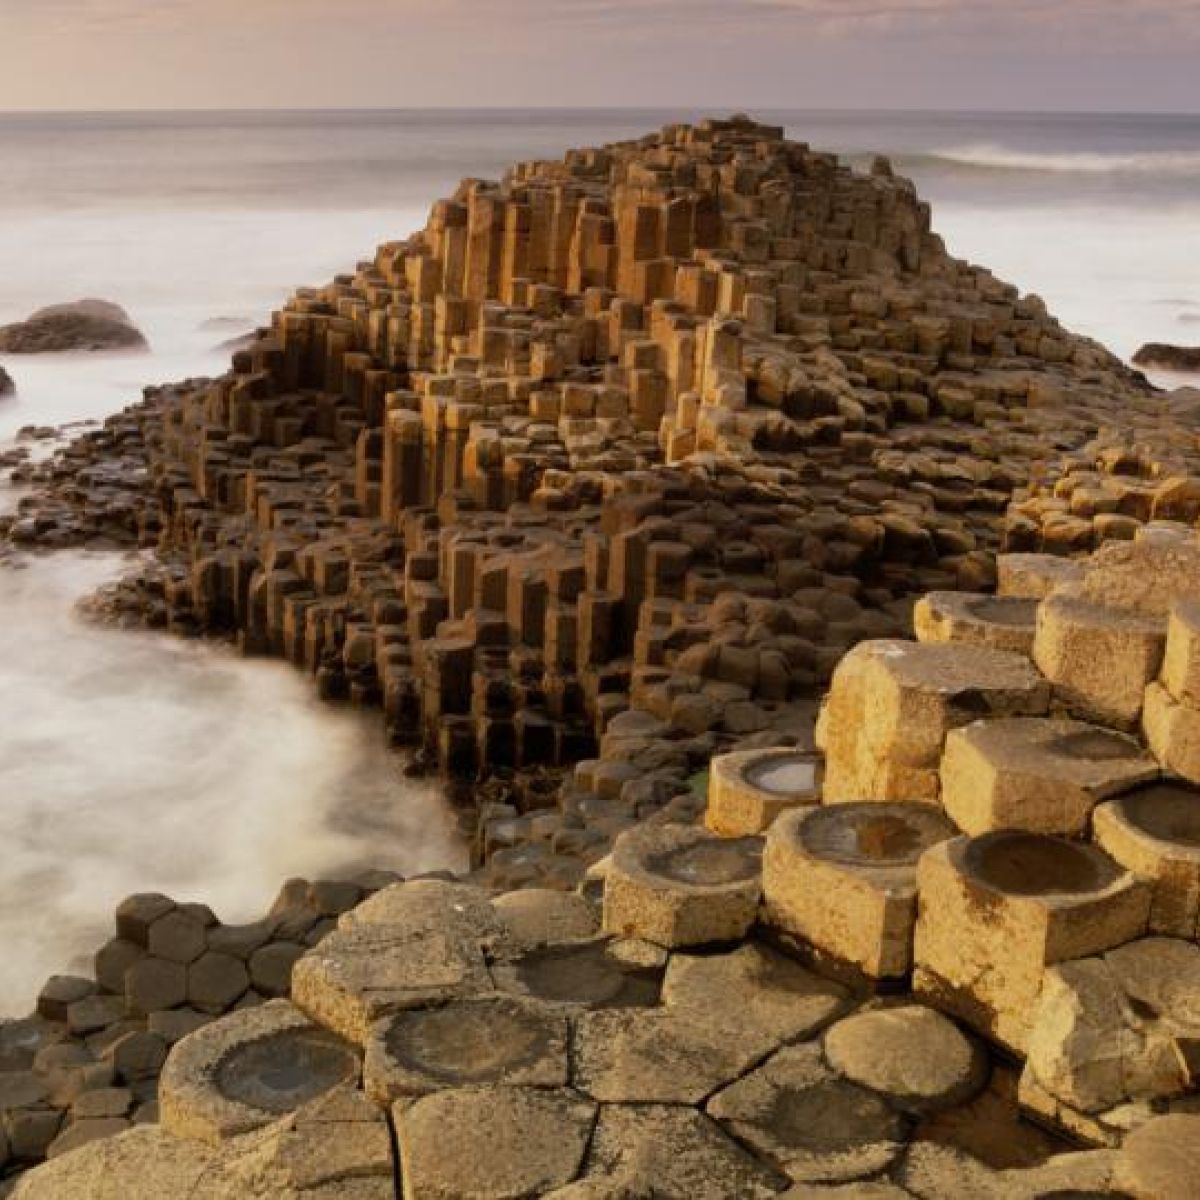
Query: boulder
1165, 357
7, 387
84, 325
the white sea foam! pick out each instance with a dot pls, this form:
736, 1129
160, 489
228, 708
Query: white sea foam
139, 762
997, 157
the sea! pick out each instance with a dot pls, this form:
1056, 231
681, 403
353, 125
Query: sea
135, 762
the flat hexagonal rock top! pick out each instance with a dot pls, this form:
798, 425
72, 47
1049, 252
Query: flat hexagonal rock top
145, 1161
535, 917
481, 1040
763, 988
798, 1114
663, 1056
1145, 577
337, 1147
661, 1150
359, 974
579, 974
429, 906
1161, 1160
246, 1070
1039, 774
920, 1060
489, 1143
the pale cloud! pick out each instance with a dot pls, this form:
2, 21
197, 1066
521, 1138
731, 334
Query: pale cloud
786, 53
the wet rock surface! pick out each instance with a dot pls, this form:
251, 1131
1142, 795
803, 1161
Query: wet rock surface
83, 325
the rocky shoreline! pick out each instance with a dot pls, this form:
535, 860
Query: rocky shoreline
592, 484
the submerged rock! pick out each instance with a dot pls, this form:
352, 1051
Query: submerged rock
83, 325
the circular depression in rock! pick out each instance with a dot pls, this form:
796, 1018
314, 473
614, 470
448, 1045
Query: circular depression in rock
1093, 745
280, 1073
1170, 811
1004, 610
874, 835
1033, 864
782, 774
713, 861
587, 975
468, 1043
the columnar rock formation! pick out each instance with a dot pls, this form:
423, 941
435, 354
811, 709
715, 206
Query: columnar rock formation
827, 993
592, 485
615, 457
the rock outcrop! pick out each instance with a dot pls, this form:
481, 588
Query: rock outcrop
7, 386
611, 462
1163, 357
83, 325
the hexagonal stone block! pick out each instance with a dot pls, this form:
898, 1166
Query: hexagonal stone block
337, 1146
426, 906
920, 1060
1102, 640
748, 789
632, 1056
154, 983
931, 1170
481, 1143
842, 879
540, 916
135, 915
652, 1149
1181, 658
359, 974
178, 936
676, 885
145, 1161
215, 981
61, 991
1038, 774
249, 1069
891, 703
767, 990
1034, 576
996, 910
975, 619
1154, 831
270, 967
797, 1114
480, 1040
1172, 731
1161, 1160
1113, 1030
1098, 659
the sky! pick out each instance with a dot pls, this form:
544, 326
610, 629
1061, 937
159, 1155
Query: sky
1082, 55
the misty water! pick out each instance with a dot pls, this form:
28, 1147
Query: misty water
134, 761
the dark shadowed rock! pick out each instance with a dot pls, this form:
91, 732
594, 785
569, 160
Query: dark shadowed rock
1168, 358
7, 387
83, 325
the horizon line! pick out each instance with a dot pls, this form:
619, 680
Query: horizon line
705, 111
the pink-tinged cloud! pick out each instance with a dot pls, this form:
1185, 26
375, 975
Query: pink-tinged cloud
1113, 54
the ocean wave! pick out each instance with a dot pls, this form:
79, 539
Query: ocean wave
984, 156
